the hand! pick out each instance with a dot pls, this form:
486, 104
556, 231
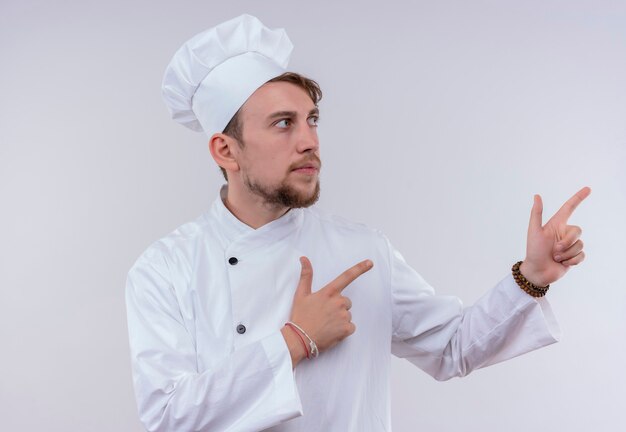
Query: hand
325, 315
551, 249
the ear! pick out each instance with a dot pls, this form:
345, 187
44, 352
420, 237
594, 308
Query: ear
223, 149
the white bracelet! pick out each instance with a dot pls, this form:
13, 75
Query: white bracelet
314, 351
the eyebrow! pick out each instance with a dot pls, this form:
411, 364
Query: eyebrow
279, 114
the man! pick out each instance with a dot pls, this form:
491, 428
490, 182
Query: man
264, 313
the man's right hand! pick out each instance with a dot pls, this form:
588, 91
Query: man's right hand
324, 315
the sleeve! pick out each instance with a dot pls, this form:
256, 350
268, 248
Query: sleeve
446, 340
253, 388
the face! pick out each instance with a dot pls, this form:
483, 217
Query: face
279, 161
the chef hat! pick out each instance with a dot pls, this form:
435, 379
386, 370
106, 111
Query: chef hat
212, 75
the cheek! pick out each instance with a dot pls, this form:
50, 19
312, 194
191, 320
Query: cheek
261, 167
271, 167
266, 160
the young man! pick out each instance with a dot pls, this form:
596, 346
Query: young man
265, 313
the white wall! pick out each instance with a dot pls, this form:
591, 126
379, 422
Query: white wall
440, 121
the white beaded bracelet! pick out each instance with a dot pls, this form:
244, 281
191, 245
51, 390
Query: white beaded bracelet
314, 351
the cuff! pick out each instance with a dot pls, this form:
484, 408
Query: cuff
288, 404
541, 317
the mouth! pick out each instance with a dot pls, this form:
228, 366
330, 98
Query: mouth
308, 168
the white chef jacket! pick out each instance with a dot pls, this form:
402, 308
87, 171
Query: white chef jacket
206, 304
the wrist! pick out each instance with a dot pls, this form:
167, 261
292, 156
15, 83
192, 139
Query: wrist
527, 286
532, 276
296, 350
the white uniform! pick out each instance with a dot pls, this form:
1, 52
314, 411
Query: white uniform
206, 304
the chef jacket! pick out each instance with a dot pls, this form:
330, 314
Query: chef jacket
206, 304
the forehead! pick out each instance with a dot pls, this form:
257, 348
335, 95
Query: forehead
276, 96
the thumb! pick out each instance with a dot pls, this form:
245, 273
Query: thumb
535, 214
306, 277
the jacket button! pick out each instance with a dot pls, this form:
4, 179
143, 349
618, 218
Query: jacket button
232, 260
241, 329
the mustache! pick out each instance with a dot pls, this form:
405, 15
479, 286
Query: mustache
312, 160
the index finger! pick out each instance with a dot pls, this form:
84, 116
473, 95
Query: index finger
348, 276
570, 205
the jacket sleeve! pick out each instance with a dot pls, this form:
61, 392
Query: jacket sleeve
253, 388
440, 336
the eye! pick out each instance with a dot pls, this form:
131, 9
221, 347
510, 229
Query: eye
313, 120
284, 123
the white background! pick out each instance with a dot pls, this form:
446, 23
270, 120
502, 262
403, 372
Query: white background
440, 120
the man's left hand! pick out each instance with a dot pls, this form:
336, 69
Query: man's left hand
552, 248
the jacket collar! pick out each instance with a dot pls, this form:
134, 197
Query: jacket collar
235, 230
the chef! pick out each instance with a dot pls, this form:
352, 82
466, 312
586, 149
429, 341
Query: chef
265, 313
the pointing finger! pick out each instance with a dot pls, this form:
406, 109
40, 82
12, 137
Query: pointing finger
347, 277
306, 277
570, 205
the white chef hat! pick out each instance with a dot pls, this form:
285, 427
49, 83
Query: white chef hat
212, 75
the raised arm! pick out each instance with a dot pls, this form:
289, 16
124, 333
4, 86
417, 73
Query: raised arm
446, 340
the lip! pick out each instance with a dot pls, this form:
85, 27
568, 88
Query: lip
307, 169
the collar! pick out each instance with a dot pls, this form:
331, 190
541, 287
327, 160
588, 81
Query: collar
235, 230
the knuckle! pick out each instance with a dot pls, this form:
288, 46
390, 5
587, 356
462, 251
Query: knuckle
351, 271
350, 275
577, 259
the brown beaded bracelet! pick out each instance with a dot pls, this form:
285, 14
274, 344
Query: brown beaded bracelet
528, 287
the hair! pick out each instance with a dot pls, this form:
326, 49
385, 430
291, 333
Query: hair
234, 128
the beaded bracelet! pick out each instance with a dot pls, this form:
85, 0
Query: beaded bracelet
528, 287
301, 339
312, 345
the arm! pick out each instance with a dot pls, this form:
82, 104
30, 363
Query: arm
446, 340
251, 389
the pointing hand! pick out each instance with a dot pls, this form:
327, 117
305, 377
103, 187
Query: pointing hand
325, 314
552, 248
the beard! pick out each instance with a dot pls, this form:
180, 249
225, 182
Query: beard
283, 195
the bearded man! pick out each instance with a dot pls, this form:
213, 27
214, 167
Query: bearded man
265, 313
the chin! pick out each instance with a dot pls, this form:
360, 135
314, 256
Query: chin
295, 198
305, 199
286, 194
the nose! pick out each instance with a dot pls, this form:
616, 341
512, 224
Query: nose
307, 139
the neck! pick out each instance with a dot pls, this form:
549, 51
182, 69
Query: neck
251, 209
